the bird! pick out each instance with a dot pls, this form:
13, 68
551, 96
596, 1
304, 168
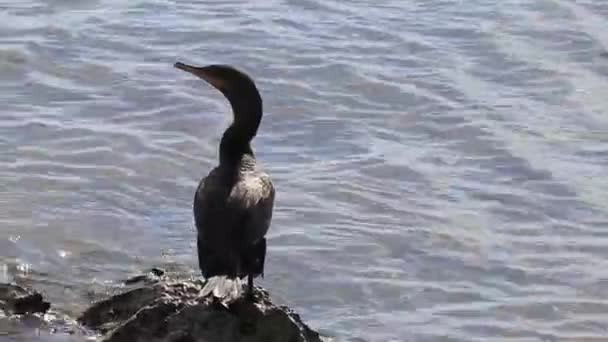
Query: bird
233, 204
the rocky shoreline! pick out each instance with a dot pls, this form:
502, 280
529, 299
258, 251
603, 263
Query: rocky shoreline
158, 308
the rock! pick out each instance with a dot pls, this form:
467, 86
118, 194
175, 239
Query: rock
15, 300
174, 311
152, 276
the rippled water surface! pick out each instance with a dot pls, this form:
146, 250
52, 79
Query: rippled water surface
441, 166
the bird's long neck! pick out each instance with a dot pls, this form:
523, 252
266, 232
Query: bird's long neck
236, 140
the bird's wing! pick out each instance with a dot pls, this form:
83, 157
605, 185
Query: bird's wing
252, 201
211, 210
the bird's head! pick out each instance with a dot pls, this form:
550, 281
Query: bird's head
236, 86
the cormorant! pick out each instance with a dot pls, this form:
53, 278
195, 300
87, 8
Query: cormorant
233, 203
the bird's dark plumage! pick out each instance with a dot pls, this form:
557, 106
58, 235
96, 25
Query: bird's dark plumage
233, 204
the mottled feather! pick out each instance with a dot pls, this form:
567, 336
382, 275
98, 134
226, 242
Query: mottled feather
232, 214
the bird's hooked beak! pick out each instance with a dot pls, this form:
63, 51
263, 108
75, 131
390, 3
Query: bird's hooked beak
205, 73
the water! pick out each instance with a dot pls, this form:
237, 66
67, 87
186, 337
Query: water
441, 166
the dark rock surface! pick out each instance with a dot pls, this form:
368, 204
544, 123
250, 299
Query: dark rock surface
174, 311
155, 307
16, 300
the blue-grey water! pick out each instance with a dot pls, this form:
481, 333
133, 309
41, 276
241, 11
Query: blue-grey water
441, 166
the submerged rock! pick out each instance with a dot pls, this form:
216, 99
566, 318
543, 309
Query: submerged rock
153, 275
16, 300
174, 311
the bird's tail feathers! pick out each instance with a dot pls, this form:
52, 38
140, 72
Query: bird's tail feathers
226, 289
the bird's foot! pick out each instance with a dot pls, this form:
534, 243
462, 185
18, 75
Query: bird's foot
250, 295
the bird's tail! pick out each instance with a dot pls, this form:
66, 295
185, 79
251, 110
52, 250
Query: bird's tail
226, 289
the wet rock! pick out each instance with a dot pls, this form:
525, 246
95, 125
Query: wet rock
16, 300
174, 311
152, 276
